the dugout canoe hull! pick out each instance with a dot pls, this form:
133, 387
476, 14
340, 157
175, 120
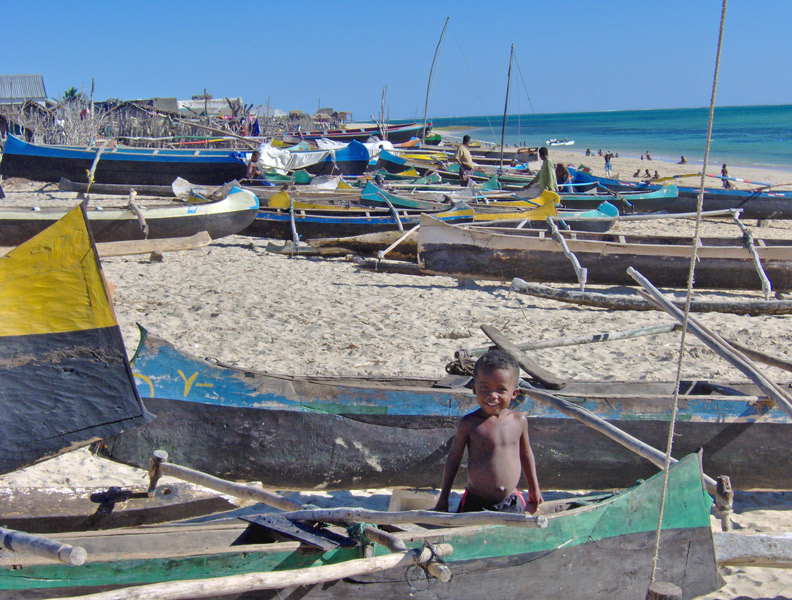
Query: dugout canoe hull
502, 254
754, 204
314, 223
124, 165
336, 432
220, 218
602, 545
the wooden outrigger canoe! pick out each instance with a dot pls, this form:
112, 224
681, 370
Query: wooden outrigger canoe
173, 220
126, 165
755, 204
502, 254
391, 431
317, 223
593, 546
64, 373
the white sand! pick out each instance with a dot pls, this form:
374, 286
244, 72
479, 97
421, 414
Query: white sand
237, 303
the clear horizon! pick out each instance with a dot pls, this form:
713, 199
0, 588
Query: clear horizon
570, 56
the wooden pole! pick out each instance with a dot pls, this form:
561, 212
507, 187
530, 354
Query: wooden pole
717, 344
505, 110
528, 365
239, 584
431, 70
767, 287
625, 302
382, 253
429, 517
17, 541
588, 338
159, 467
589, 419
581, 272
662, 590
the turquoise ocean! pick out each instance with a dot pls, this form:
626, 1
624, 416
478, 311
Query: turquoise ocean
756, 136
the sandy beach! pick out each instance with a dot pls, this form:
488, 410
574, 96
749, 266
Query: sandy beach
235, 302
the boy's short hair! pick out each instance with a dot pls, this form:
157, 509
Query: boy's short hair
496, 359
465, 139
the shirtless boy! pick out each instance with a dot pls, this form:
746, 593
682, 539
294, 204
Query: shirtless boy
496, 438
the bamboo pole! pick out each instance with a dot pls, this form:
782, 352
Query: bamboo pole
17, 541
239, 584
717, 344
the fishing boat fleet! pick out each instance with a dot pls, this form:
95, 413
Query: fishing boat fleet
209, 423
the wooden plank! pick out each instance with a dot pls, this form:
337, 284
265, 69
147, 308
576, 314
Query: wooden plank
306, 534
539, 373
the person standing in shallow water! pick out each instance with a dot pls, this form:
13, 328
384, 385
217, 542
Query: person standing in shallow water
725, 173
496, 438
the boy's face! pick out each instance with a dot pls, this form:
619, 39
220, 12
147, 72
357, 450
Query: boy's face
495, 389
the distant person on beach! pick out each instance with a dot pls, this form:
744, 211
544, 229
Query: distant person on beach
253, 169
641, 156
546, 178
563, 178
608, 165
599, 152
496, 438
588, 151
637, 173
647, 174
682, 160
648, 156
656, 175
465, 161
727, 185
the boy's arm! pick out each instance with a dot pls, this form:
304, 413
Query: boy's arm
529, 466
452, 465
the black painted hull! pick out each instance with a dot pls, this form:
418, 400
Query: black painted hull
313, 450
119, 171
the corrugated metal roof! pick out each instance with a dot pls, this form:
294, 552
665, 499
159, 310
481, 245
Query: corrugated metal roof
15, 89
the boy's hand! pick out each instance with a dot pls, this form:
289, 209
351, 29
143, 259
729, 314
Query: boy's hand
442, 505
535, 498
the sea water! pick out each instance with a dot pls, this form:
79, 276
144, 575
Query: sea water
741, 135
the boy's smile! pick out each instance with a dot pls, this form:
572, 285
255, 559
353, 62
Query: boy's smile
495, 389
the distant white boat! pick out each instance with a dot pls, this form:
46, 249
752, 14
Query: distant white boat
562, 142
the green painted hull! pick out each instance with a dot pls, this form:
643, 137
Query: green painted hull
595, 546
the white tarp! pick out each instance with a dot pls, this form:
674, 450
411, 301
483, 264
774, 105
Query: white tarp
373, 146
283, 160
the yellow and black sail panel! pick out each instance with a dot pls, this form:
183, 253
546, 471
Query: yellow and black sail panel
65, 380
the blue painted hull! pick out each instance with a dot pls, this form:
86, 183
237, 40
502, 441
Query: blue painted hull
133, 166
333, 432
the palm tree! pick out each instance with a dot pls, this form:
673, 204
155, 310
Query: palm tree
71, 94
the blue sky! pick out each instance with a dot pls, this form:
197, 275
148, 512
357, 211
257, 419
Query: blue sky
572, 55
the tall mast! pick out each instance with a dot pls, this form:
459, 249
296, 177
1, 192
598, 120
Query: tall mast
431, 70
506, 108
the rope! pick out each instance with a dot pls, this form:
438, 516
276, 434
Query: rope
470, 73
688, 297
